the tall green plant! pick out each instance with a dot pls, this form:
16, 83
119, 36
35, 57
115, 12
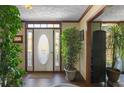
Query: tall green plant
71, 46
117, 42
10, 25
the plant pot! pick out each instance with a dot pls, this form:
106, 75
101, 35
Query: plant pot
70, 74
113, 74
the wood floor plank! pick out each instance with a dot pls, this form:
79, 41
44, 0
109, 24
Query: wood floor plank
47, 80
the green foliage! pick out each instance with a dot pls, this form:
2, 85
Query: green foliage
10, 25
117, 42
71, 46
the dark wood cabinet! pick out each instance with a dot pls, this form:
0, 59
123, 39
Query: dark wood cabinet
98, 62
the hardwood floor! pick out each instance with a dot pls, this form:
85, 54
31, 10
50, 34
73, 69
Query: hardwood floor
48, 79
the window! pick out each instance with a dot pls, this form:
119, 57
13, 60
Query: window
57, 50
43, 26
30, 25
56, 25
109, 48
37, 26
43, 49
50, 25
29, 37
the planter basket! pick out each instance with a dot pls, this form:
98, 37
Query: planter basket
113, 74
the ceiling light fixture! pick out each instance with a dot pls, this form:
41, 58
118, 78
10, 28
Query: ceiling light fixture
28, 6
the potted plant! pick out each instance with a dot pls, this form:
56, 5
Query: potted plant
10, 25
71, 46
116, 42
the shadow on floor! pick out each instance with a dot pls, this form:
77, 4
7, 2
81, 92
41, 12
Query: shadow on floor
48, 79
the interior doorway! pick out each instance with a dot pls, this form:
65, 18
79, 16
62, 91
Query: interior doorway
43, 47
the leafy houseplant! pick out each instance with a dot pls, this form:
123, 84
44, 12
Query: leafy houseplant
71, 46
117, 44
10, 25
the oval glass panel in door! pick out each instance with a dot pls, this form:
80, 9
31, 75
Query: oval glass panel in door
43, 49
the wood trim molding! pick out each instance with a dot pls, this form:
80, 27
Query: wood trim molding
32, 50
40, 22
86, 11
60, 47
98, 14
88, 52
46, 71
70, 21
67, 21
89, 44
25, 48
108, 21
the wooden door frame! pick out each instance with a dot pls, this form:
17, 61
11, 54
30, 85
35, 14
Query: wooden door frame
26, 28
89, 44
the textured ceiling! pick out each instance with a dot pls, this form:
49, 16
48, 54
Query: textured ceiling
52, 12
112, 13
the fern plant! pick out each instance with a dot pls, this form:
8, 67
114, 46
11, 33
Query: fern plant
117, 43
10, 25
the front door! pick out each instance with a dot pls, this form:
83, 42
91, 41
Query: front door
43, 50
43, 47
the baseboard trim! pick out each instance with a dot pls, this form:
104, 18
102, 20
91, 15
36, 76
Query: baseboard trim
45, 71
